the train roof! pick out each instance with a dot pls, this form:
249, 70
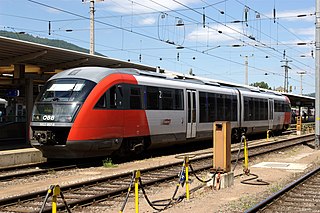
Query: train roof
208, 81
96, 74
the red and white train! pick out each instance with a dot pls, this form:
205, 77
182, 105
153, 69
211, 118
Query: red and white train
94, 111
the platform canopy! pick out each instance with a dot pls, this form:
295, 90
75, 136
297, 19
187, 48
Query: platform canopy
300, 100
22, 59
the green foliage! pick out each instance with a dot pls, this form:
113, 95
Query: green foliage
311, 95
261, 84
108, 163
44, 41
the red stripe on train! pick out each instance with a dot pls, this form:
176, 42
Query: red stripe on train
96, 124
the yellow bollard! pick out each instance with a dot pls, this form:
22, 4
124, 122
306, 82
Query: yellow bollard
186, 165
268, 134
246, 158
299, 125
136, 190
55, 193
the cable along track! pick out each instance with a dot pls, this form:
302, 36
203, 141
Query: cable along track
88, 192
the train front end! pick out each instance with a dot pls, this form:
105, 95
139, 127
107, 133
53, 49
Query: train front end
54, 112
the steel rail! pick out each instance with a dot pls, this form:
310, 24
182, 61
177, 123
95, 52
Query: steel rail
287, 188
35, 172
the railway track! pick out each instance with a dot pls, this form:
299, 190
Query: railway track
23, 171
7, 174
88, 192
302, 195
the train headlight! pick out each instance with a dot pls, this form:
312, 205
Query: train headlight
65, 119
36, 117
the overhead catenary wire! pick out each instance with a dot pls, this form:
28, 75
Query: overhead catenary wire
151, 37
263, 44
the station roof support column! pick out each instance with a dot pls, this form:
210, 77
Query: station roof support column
29, 104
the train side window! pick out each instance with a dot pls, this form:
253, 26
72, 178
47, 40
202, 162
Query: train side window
212, 107
221, 107
251, 109
246, 108
228, 107
178, 99
135, 97
257, 109
167, 99
234, 116
101, 104
203, 107
264, 109
276, 106
152, 97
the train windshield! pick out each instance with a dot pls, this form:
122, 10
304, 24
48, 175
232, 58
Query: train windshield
66, 90
60, 100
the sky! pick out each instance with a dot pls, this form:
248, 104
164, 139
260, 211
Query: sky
213, 38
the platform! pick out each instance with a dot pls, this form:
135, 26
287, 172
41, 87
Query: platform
20, 157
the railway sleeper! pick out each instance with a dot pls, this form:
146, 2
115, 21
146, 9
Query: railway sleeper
293, 208
86, 193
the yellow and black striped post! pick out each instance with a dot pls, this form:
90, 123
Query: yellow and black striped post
186, 165
55, 192
136, 190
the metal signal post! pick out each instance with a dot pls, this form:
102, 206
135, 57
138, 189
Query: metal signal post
91, 24
317, 72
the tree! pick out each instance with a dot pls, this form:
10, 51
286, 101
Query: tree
261, 84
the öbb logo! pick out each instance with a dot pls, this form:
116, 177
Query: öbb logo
48, 118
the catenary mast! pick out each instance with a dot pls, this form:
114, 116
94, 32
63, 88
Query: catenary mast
317, 73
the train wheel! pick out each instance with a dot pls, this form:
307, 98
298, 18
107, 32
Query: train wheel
131, 147
235, 135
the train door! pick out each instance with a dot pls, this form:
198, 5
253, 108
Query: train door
270, 113
191, 114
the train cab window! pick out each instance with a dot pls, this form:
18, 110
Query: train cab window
112, 99
102, 102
